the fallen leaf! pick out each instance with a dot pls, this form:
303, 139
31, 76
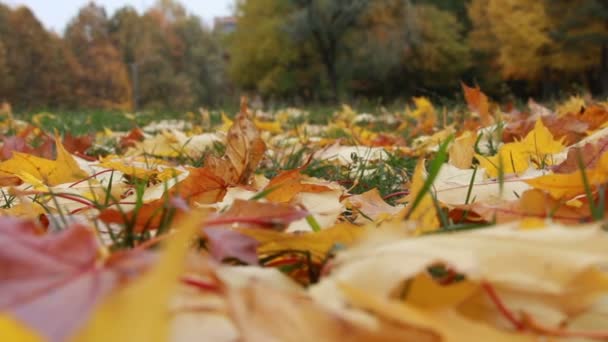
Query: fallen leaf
201, 186
52, 172
515, 157
317, 244
569, 185
13, 330
574, 105
453, 186
589, 154
138, 312
225, 243
131, 139
478, 103
42, 272
244, 150
77, 145
250, 308
276, 216
461, 151
533, 204
14, 144
370, 206
447, 325
555, 269
288, 184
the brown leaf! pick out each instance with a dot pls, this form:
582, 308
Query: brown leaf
259, 214
372, 205
201, 186
134, 136
589, 154
478, 102
244, 150
77, 145
532, 204
461, 152
571, 127
288, 184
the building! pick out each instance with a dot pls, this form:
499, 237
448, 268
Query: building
224, 25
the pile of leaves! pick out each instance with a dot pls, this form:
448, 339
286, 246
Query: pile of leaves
484, 224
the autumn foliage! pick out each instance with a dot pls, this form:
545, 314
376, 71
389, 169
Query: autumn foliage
289, 51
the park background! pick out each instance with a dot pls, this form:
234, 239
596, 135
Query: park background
302, 52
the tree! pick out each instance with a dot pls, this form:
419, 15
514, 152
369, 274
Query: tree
517, 35
5, 81
59, 75
103, 79
126, 31
262, 56
401, 47
40, 69
175, 62
89, 27
5, 75
202, 61
484, 46
326, 23
458, 8
438, 50
580, 27
379, 45
160, 65
25, 47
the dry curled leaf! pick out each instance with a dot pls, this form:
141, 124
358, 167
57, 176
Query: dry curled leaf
244, 150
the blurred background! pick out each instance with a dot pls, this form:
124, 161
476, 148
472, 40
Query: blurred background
182, 55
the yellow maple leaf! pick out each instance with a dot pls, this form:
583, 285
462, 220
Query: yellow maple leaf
32, 180
570, 185
64, 169
13, 330
270, 126
537, 146
226, 123
514, 160
573, 106
24, 210
424, 108
131, 170
540, 142
317, 244
424, 214
364, 136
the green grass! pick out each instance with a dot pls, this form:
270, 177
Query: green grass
85, 122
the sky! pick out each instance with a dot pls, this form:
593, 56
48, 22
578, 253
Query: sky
55, 15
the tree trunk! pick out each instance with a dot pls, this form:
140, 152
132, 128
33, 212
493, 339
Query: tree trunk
546, 84
604, 70
332, 75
